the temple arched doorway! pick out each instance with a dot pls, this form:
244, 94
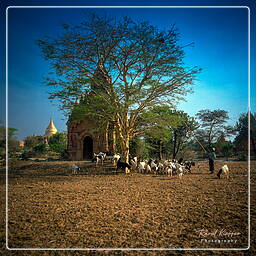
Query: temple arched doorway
87, 148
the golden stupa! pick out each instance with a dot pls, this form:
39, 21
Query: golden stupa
50, 130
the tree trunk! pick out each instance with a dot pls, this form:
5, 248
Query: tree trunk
127, 138
124, 135
106, 147
178, 147
126, 151
253, 144
114, 140
160, 150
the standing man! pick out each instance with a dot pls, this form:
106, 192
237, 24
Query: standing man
212, 157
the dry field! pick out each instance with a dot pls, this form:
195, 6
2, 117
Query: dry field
51, 208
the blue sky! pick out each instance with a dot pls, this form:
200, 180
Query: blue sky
221, 46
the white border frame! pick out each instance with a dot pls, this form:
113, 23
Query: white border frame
131, 249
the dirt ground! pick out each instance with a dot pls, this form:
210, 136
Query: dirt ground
48, 207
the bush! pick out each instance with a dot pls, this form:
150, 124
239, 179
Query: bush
40, 148
32, 141
188, 155
27, 154
242, 156
58, 142
58, 148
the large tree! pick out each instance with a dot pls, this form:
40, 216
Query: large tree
117, 69
213, 125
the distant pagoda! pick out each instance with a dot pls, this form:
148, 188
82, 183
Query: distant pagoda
50, 130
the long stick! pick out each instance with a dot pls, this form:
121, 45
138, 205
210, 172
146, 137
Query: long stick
197, 139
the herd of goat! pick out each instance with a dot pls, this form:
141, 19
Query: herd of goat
168, 167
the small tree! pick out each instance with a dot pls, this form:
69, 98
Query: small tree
13, 145
213, 124
118, 69
139, 147
169, 125
32, 141
40, 149
225, 148
183, 132
242, 129
58, 142
157, 132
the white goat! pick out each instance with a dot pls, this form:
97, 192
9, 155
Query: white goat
180, 170
169, 167
134, 163
168, 170
142, 166
154, 167
116, 157
166, 163
223, 169
148, 168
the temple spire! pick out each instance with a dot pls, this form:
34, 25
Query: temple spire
51, 129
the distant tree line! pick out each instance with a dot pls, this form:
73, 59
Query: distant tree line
178, 135
33, 146
41, 146
169, 134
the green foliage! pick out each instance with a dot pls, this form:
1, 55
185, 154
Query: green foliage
33, 147
58, 142
27, 154
242, 129
32, 141
169, 130
40, 148
13, 145
36, 146
117, 69
227, 149
224, 148
139, 148
213, 124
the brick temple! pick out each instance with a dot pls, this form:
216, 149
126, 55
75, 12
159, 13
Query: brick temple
84, 135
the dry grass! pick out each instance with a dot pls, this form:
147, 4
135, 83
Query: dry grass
50, 208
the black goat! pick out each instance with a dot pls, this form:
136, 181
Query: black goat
188, 165
122, 165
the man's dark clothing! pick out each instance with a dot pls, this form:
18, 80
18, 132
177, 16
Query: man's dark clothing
212, 157
211, 165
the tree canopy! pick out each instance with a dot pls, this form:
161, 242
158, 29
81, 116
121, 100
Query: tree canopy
170, 127
213, 124
12, 141
117, 69
242, 128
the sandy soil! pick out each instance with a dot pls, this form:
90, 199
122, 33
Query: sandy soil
51, 208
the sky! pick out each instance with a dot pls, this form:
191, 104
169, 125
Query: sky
220, 37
